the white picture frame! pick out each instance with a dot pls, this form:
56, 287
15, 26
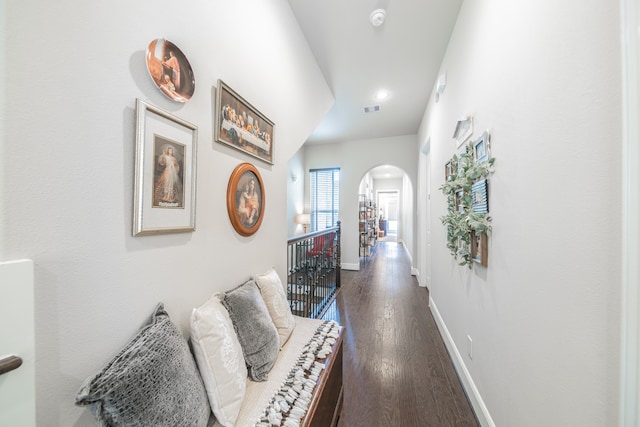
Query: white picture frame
464, 129
165, 172
482, 148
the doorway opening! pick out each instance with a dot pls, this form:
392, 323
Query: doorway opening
388, 207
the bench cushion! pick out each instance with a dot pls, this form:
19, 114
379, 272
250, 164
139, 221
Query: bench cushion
259, 394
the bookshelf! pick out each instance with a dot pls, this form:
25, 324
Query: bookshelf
368, 225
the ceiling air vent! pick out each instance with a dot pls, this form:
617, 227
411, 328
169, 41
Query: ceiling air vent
372, 109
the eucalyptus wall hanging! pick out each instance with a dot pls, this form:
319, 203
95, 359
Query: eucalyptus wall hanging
466, 186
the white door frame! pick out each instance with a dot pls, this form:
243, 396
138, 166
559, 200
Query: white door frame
630, 328
398, 208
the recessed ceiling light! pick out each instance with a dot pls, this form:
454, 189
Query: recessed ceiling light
381, 94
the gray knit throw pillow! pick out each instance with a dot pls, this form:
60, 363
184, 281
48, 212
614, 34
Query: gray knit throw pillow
257, 334
153, 381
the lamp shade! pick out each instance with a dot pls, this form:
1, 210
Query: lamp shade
303, 219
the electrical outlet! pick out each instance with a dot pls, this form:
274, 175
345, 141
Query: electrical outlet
469, 346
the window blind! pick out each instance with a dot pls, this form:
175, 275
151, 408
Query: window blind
324, 198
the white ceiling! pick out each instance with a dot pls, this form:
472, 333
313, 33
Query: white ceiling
386, 172
357, 59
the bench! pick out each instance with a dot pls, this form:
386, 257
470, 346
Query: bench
158, 379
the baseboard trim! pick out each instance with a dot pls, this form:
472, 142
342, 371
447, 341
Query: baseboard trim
482, 413
415, 272
349, 266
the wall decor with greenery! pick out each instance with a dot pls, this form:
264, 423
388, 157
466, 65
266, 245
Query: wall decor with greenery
463, 173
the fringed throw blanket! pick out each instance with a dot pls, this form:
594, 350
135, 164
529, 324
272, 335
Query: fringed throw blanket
291, 402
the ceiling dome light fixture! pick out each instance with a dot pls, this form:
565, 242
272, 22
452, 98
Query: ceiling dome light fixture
377, 17
381, 94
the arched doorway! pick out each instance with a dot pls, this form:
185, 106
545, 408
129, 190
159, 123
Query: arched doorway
390, 190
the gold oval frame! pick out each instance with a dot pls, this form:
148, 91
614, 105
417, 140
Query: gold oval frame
242, 216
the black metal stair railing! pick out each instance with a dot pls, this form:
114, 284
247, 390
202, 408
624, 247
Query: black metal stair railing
313, 271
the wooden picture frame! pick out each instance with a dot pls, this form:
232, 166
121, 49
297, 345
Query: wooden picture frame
245, 199
459, 202
448, 170
464, 129
240, 125
480, 248
165, 172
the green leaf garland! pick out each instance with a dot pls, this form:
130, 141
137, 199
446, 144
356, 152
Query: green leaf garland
460, 219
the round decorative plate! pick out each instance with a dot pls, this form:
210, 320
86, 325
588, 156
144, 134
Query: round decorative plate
170, 70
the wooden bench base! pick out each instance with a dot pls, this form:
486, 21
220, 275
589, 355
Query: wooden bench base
326, 404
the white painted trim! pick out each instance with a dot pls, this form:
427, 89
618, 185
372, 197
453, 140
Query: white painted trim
414, 270
350, 266
17, 329
481, 410
630, 345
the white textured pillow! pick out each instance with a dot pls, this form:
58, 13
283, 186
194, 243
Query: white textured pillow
219, 358
275, 298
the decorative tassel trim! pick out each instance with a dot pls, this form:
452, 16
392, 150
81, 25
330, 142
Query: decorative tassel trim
290, 403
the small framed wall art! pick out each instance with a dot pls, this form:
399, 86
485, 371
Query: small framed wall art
461, 246
482, 147
170, 70
245, 199
241, 126
464, 129
448, 170
479, 248
480, 196
460, 200
165, 172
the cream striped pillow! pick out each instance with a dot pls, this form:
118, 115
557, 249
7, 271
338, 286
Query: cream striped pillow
275, 298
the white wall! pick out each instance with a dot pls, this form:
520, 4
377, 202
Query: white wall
422, 228
17, 387
295, 193
355, 158
408, 215
366, 186
544, 317
76, 68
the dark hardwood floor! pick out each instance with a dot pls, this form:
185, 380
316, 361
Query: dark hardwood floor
397, 371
